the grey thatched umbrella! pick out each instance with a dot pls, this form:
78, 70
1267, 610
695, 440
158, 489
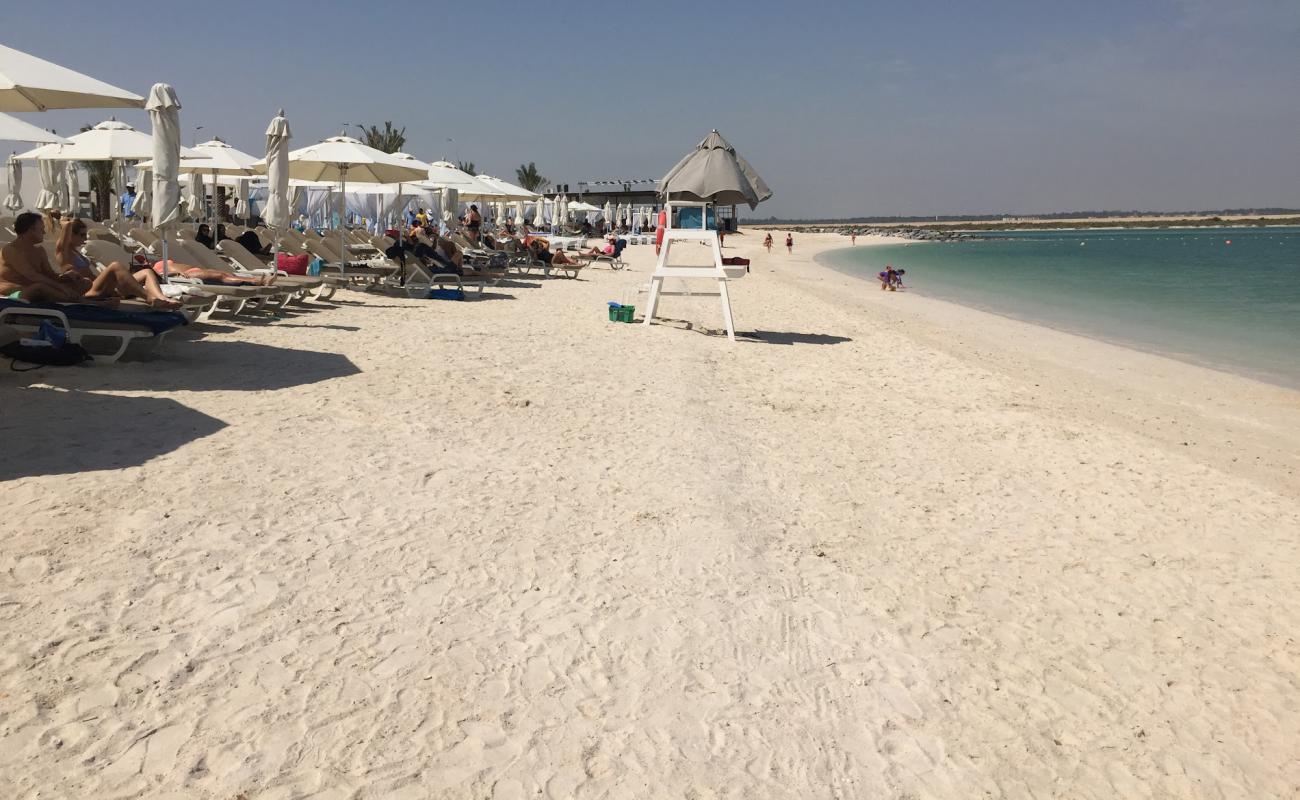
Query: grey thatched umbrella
713, 172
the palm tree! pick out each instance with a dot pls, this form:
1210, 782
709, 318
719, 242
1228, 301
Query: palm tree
529, 177
466, 166
390, 140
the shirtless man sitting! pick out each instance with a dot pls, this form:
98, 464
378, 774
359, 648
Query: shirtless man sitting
26, 273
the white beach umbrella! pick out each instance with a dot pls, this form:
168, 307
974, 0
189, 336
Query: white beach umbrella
339, 158
444, 175
28, 83
13, 129
14, 200
395, 203
119, 186
519, 212
609, 214
539, 214
165, 114
244, 185
110, 140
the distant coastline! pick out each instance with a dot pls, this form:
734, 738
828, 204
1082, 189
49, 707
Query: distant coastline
953, 228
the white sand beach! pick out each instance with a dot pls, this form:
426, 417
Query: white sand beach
887, 547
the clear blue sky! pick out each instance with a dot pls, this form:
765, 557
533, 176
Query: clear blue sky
844, 108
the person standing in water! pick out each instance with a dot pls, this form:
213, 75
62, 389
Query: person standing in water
789, 243
853, 237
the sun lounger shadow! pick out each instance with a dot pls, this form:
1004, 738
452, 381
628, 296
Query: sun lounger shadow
214, 364
50, 432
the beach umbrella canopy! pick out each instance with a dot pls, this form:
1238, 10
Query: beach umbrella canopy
609, 213
110, 140
165, 114
539, 213
519, 212
28, 83
13, 129
14, 200
342, 158
504, 189
714, 172
444, 175
278, 134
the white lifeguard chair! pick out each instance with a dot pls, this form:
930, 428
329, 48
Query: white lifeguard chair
717, 272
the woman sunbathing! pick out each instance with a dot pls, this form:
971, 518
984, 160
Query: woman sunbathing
213, 276
121, 282
542, 252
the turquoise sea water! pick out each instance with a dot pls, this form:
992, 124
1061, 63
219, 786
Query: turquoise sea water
1183, 293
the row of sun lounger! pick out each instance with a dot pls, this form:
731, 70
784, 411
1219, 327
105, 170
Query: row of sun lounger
362, 264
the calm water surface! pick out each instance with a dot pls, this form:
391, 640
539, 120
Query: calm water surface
1222, 297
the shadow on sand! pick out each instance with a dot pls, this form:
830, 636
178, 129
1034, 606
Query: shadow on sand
212, 364
763, 337
51, 432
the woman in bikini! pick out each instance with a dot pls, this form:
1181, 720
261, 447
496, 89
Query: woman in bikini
122, 281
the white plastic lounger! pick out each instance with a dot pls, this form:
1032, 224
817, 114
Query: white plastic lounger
28, 320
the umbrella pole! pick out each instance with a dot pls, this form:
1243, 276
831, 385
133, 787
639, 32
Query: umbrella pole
343, 216
164, 255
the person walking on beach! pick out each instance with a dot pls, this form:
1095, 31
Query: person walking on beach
767, 242
789, 243
853, 237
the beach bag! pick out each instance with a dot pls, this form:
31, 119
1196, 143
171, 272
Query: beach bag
316, 265
445, 294
297, 264
48, 348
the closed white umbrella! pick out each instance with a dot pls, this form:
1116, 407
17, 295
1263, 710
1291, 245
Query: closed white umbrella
72, 194
165, 114
539, 214
450, 204
28, 83
143, 192
119, 186
13, 129
609, 215
195, 195
519, 212
14, 200
49, 174
276, 212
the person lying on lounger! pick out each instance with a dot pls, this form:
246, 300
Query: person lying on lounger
26, 273
210, 275
542, 252
141, 283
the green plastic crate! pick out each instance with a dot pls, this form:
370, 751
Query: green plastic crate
621, 314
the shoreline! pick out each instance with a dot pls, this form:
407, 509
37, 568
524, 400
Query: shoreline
1190, 359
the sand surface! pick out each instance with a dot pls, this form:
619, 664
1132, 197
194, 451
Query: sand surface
886, 548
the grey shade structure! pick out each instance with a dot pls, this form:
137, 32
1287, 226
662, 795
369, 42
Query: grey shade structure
14, 200
714, 172
28, 83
